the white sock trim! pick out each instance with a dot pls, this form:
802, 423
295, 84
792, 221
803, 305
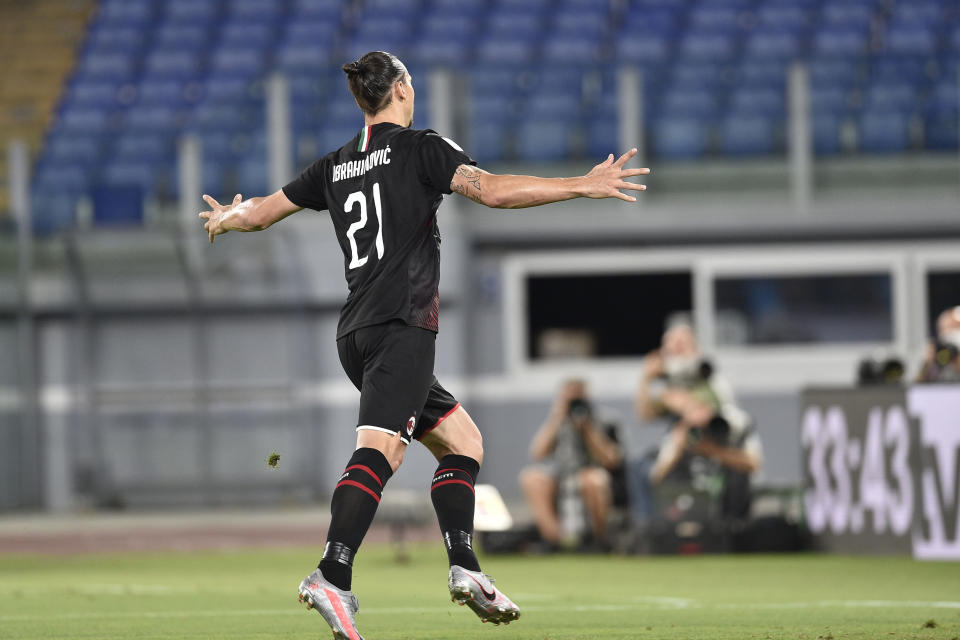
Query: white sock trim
370, 427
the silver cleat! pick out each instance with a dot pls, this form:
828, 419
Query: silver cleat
338, 607
476, 590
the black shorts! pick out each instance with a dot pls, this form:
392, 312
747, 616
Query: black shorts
392, 366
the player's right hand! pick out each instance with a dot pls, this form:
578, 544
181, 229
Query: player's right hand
217, 214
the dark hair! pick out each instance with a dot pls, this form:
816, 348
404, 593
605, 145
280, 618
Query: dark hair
371, 79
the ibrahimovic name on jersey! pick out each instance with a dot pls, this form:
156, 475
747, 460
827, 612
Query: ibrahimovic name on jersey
383, 189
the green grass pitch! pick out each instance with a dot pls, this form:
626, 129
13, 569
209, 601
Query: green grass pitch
252, 594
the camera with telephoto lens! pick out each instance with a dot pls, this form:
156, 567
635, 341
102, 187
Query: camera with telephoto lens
944, 353
876, 371
579, 409
717, 431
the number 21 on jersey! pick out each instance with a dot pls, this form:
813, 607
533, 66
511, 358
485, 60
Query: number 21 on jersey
359, 198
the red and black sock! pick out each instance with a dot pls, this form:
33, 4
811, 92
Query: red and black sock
453, 499
354, 503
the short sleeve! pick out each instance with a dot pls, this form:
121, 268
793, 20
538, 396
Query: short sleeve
307, 190
438, 159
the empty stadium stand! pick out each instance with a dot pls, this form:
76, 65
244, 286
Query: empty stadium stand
541, 78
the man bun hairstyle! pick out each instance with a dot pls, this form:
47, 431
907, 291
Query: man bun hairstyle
371, 79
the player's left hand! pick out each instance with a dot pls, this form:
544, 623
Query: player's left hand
217, 214
608, 178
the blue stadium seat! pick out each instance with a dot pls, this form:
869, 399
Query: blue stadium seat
52, 211
124, 12
647, 22
235, 90
841, 42
120, 38
856, 14
762, 73
82, 120
786, 17
884, 131
575, 50
767, 101
78, 149
774, 44
580, 22
459, 7
174, 64
553, 103
679, 137
690, 102
698, 75
911, 39
117, 205
62, 178
543, 139
253, 174
254, 11
193, 11
515, 24
329, 10
711, 18
303, 58
257, 35
711, 46
107, 64
504, 50
941, 130
166, 92
898, 96
649, 47
129, 172
526, 5
152, 118
238, 62
392, 7
898, 68
145, 146
181, 37
826, 127
918, 12
829, 99
834, 72
944, 96
438, 51
100, 93
602, 137
747, 135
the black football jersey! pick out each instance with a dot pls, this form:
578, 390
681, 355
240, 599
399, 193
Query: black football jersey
383, 189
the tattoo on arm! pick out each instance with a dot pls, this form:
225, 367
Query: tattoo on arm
472, 176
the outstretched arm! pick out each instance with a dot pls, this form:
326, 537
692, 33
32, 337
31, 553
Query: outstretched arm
254, 214
514, 192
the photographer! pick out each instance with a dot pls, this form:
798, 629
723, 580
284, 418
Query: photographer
571, 450
942, 362
710, 442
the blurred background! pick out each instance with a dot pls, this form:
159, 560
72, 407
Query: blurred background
803, 215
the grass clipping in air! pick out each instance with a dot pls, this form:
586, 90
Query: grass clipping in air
273, 460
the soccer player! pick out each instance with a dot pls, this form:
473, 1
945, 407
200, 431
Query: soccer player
383, 189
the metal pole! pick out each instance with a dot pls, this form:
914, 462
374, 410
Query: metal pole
630, 112
193, 240
440, 83
800, 141
190, 180
279, 132
18, 163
